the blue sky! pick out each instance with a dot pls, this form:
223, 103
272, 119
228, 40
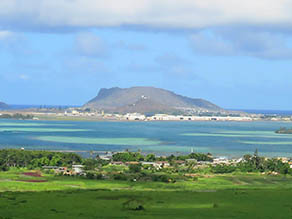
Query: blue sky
62, 52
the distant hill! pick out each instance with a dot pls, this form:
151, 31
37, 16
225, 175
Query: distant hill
3, 105
147, 100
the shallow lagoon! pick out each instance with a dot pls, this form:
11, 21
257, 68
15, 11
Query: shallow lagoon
219, 138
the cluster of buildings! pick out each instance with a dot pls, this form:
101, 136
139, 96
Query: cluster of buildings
164, 164
91, 114
158, 117
166, 117
137, 116
79, 169
75, 170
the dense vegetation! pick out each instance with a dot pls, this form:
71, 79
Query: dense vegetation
255, 163
128, 166
188, 190
36, 159
16, 116
136, 156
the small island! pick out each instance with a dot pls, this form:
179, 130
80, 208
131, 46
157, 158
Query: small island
3, 105
284, 131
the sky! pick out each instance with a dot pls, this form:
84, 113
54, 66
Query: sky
235, 54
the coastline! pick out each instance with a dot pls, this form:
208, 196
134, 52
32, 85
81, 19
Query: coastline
80, 114
54, 117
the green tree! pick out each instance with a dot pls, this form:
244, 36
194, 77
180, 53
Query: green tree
90, 164
135, 168
150, 157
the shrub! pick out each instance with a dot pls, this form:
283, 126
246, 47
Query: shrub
49, 171
223, 168
120, 176
160, 178
133, 205
90, 175
4, 168
135, 168
98, 176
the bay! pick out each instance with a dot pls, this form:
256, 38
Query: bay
231, 139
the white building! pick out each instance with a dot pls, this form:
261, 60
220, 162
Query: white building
220, 160
77, 168
134, 116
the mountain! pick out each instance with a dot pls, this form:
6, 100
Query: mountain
3, 105
147, 100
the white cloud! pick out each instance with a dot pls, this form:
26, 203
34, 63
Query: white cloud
171, 59
266, 20
163, 14
85, 65
14, 43
236, 42
5, 35
210, 45
24, 77
88, 44
129, 46
171, 64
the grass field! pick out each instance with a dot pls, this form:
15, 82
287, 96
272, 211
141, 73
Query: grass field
224, 196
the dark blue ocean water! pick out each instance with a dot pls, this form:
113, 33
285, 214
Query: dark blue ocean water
219, 138
268, 112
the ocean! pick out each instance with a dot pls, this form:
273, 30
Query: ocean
267, 112
231, 139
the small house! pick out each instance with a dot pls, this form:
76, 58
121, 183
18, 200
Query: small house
132, 163
78, 169
163, 163
220, 160
179, 162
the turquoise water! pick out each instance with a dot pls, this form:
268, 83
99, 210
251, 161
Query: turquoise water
218, 138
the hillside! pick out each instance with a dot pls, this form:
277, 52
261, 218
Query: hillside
3, 105
147, 100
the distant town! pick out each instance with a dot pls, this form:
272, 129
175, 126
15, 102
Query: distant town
96, 115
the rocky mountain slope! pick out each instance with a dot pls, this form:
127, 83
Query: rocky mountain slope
147, 100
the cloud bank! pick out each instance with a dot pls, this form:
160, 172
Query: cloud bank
247, 28
265, 45
42, 15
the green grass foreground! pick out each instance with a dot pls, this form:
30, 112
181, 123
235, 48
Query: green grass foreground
210, 196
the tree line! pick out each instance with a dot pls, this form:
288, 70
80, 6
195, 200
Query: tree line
136, 156
16, 116
38, 159
35, 159
255, 163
